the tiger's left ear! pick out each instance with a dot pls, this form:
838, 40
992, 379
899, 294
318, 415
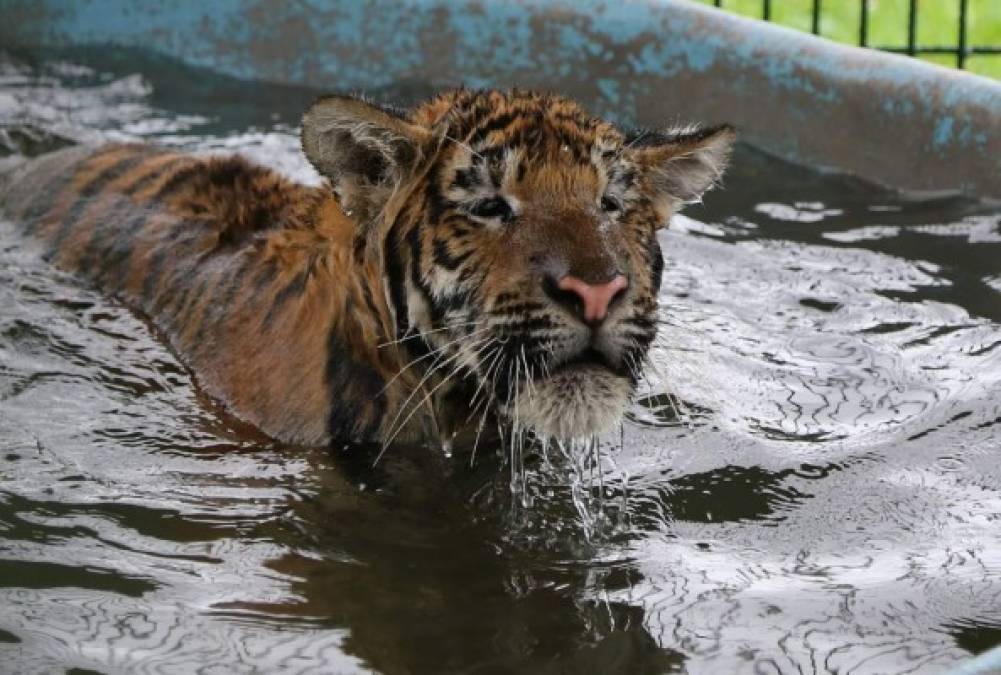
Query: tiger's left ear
684, 163
363, 149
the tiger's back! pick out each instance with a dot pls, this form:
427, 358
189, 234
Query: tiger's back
497, 255
239, 267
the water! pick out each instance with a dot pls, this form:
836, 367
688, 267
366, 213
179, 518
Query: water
809, 483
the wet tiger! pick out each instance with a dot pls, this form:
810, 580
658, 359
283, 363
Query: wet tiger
485, 253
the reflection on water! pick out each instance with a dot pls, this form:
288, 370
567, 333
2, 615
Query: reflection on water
809, 482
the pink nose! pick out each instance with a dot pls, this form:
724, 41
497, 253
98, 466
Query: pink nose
596, 297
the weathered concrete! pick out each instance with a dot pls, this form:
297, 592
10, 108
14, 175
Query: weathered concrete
884, 117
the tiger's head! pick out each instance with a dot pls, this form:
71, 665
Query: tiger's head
517, 240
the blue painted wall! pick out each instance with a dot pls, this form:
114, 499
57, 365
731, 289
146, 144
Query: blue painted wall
885, 117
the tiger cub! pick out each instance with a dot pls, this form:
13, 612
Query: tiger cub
486, 253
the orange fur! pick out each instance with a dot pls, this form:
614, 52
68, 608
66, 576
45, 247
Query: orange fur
310, 323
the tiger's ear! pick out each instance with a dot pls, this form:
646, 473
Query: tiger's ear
684, 163
363, 149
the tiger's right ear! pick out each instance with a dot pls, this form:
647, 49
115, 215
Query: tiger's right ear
363, 149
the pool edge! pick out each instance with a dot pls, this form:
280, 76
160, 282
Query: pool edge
888, 118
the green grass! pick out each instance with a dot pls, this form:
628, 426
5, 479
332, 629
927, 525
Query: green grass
937, 24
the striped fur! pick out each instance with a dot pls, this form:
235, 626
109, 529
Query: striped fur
367, 307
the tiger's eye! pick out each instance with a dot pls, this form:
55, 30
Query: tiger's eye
610, 204
496, 207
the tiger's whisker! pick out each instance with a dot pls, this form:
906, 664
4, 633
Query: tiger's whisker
414, 336
441, 362
433, 352
445, 380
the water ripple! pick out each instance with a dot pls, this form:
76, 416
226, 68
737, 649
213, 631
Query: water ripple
808, 482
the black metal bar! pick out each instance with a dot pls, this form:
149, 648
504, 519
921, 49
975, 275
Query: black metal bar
939, 49
912, 27
962, 51
918, 50
863, 30
961, 54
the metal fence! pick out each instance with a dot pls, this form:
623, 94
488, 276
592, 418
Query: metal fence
961, 50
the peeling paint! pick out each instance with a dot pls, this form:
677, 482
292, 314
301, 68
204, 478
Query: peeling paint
943, 132
646, 62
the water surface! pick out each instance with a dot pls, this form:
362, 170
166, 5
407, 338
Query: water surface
809, 482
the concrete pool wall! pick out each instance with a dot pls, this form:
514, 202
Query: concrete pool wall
888, 118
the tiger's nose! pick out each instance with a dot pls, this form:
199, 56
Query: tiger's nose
590, 301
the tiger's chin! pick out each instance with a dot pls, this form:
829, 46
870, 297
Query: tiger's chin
573, 402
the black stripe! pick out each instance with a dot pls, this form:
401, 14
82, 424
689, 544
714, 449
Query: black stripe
231, 280
167, 245
414, 348
121, 246
644, 323
529, 324
293, 288
496, 170
90, 189
123, 233
466, 179
496, 123
369, 300
435, 203
42, 201
413, 239
656, 262
353, 386
172, 281
397, 279
232, 275
118, 251
236, 271
524, 307
173, 183
505, 296
580, 155
451, 302
98, 245
185, 301
151, 177
529, 137
444, 258
442, 306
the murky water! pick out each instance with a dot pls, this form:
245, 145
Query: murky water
828, 499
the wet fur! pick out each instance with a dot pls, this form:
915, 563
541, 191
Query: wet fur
316, 325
